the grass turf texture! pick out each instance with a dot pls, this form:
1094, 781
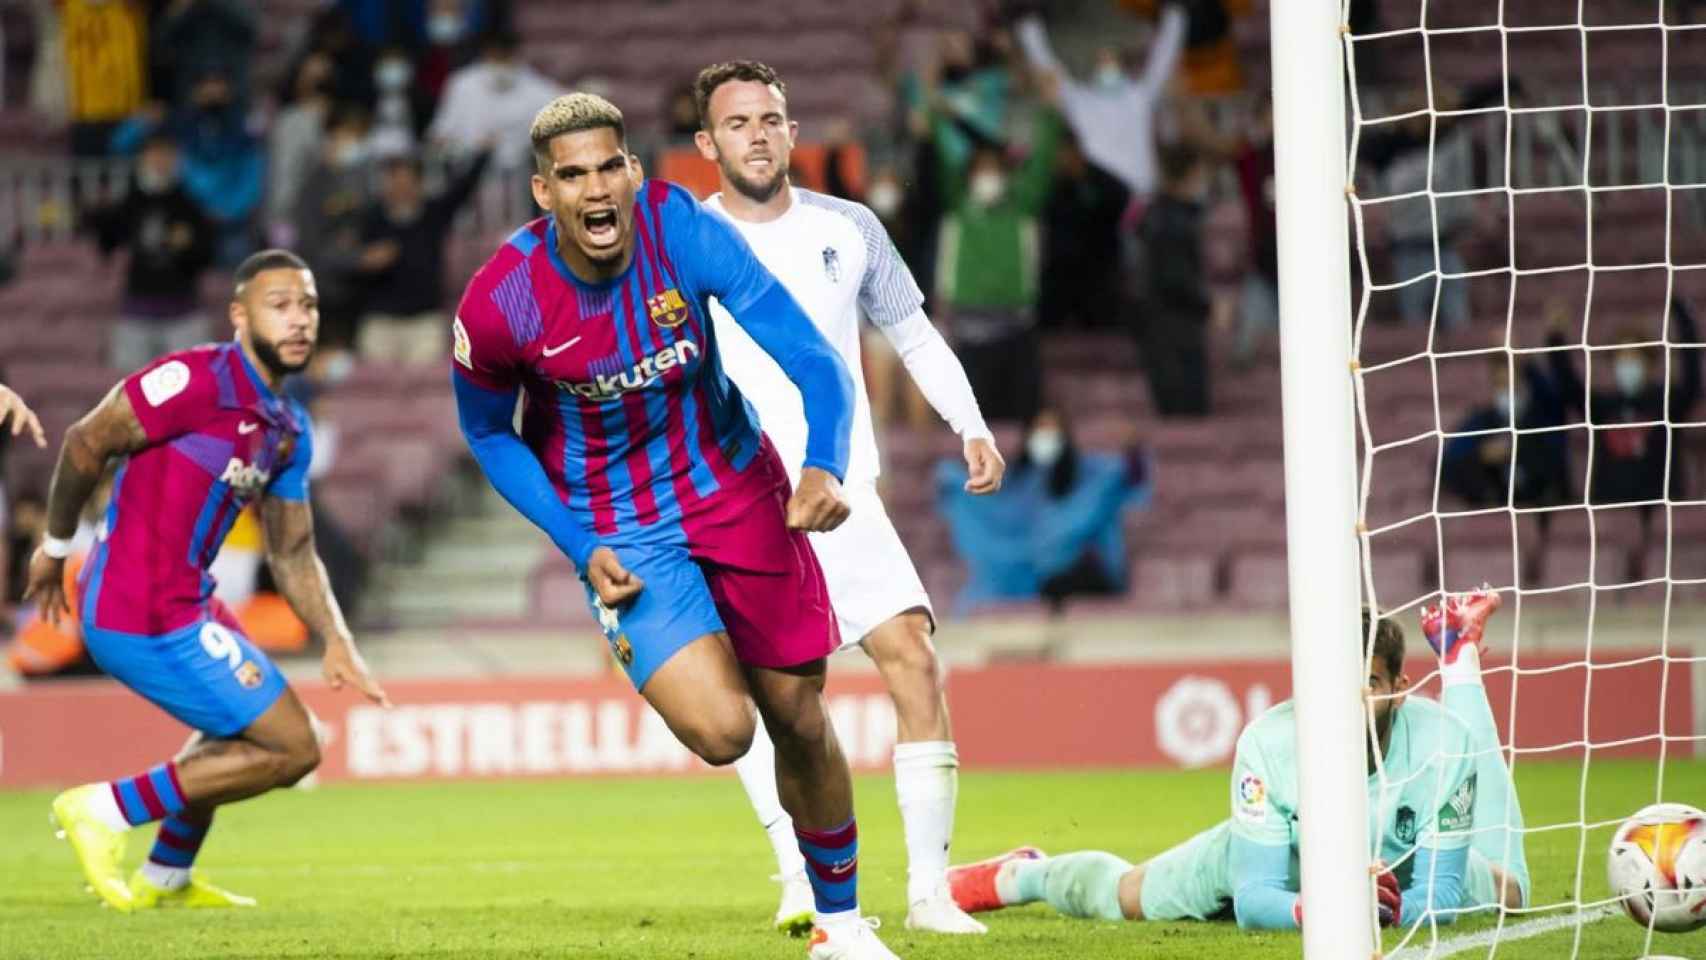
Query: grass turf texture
677, 868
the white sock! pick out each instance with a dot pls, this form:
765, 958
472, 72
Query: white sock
1465, 669
104, 807
926, 779
757, 771
829, 920
164, 877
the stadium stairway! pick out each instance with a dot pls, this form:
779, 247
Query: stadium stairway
476, 567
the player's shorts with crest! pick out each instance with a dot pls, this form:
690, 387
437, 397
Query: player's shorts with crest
871, 578
207, 675
736, 567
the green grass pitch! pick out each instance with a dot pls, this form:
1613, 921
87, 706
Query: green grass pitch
677, 868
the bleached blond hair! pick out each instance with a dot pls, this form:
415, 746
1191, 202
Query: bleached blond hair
572, 113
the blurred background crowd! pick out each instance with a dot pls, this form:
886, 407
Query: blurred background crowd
1083, 188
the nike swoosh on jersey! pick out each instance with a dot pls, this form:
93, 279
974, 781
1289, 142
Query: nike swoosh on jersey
559, 348
247, 428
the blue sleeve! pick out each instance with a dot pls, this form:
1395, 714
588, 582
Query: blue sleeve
1261, 899
292, 482
1436, 881
128, 137
485, 417
726, 268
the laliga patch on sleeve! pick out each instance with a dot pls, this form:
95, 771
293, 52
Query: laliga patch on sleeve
464, 349
165, 382
1252, 806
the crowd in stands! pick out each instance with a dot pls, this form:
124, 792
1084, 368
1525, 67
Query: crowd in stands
1038, 179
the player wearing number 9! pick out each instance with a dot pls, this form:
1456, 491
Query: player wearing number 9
196, 437
1444, 812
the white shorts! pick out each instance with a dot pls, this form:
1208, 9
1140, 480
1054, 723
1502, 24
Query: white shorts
871, 579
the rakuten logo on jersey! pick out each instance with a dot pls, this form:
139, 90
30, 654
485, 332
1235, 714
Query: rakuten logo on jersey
609, 386
244, 478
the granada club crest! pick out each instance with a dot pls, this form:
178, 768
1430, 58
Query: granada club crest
667, 308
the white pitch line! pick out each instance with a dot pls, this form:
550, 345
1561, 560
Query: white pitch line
1452, 946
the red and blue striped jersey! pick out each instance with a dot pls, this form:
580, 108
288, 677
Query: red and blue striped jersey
218, 438
626, 406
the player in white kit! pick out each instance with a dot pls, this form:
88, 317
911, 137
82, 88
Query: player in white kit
837, 260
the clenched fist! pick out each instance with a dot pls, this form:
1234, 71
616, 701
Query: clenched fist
817, 505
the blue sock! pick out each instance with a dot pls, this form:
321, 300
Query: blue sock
832, 865
178, 841
150, 796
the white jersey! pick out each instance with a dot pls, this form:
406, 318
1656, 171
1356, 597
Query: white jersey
836, 259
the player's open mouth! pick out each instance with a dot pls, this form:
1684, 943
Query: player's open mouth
601, 227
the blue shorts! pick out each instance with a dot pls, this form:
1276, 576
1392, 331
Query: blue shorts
674, 608
207, 675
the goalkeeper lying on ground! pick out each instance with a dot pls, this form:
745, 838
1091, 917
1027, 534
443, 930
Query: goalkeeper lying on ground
1445, 812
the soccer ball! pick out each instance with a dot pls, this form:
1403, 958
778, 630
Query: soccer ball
1657, 866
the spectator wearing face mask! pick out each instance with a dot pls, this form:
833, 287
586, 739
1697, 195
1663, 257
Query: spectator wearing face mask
489, 101
1629, 463
1476, 464
400, 109
403, 319
449, 26
1113, 113
1053, 530
294, 145
223, 167
170, 242
329, 215
987, 264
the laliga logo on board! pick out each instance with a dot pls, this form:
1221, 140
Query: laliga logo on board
1198, 719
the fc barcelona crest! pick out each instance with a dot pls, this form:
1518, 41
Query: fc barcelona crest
667, 308
623, 650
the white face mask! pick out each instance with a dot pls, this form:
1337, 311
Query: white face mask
1631, 373
986, 188
1109, 75
444, 28
1045, 447
349, 153
153, 183
884, 198
393, 75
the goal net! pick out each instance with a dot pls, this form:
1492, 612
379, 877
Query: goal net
1526, 189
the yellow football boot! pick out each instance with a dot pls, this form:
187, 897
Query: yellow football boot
99, 848
198, 893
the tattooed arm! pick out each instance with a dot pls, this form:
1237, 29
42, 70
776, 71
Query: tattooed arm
110, 430
288, 528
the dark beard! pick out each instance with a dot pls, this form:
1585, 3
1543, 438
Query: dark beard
267, 354
759, 192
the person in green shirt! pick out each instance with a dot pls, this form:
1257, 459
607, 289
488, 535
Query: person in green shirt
989, 250
1442, 812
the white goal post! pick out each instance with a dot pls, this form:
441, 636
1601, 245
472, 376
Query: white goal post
1320, 476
